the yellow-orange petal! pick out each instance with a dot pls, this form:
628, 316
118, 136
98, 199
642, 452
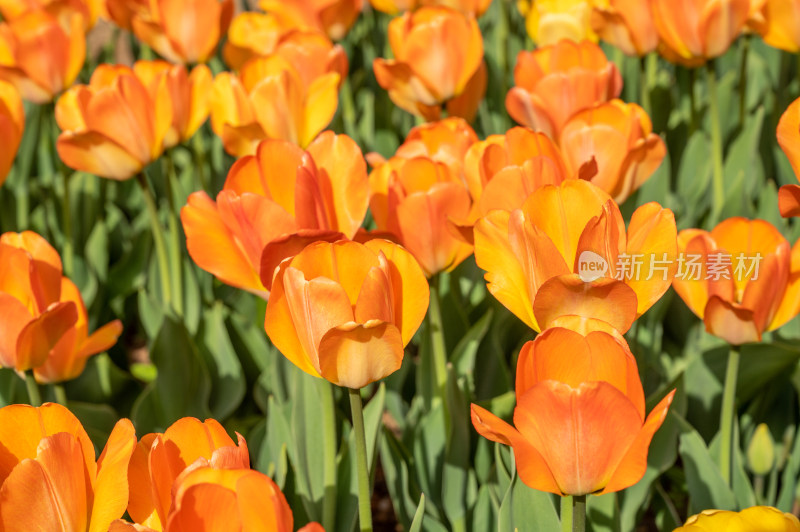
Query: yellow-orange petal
287, 246
96, 154
111, 484
731, 322
354, 355
41, 334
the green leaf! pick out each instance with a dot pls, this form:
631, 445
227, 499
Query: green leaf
228, 384
704, 482
419, 516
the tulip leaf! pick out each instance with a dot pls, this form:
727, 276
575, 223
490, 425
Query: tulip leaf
703, 479
11, 388
228, 384
419, 516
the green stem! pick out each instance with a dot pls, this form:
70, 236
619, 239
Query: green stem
438, 346
34, 396
579, 513
67, 224
728, 415
692, 102
158, 238
743, 80
644, 85
364, 499
716, 144
175, 258
24, 162
329, 449
60, 393
566, 513
199, 156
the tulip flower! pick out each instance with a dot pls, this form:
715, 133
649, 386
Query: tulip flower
273, 204
112, 127
468, 7
779, 24
89, 10
12, 125
418, 192
250, 35
700, 30
159, 460
789, 141
549, 21
34, 315
580, 426
270, 100
761, 518
123, 12
565, 257
746, 280
345, 311
41, 54
626, 24
332, 17
554, 82
620, 138
185, 92
49, 477
438, 60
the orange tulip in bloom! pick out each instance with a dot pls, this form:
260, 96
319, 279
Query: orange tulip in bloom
580, 426
438, 60
332, 17
789, 140
271, 99
549, 21
112, 127
699, 30
468, 7
345, 311
761, 518
746, 280
565, 257
89, 10
41, 54
779, 24
626, 24
49, 479
417, 193
273, 204
12, 125
620, 138
554, 82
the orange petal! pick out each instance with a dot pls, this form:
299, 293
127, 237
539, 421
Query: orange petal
466, 104
41, 334
14, 316
262, 506
788, 134
731, 322
790, 304
96, 154
111, 484
322, 99
206, 508
102, 339
287, 246
141, 504
789, 200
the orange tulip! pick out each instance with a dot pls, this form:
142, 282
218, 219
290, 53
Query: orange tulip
789, 141
89, 10
438, 60
270, 99
12, 125
34, 317
50, 479
700, 29
181, 31
746, 280
549, 21
778, 22
565, 257
554, 82
273, 204
186, 94
468, 7
332, 17
580, 426
418, 192
159, 460
626, 24
761, 518
252, 34
620, 138
112, 127
345, 311
41, 54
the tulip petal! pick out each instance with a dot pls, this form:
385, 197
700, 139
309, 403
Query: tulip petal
788, 134
321, 102
41, 334
789, 199
102, 339
97, 154
206, 508
14, 316
111, 485
252, 489
287, 246
731, 322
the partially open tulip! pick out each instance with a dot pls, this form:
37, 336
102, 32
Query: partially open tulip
579, 424
761, 518
554, 82
112, 127
332, 17
468, 7
789, 141
565, 257
273, 204
345, 311
626, 24
12, 125
416, 194
438, 61
89, 10
779, 24
549, 21
159, 460
41, 54
699, 30
270, 99
619, 138
34, 314
252, 34
746, 280
50, 478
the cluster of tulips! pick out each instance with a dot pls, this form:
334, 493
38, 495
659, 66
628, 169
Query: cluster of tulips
348, 250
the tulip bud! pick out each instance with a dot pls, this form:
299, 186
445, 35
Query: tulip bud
761, 451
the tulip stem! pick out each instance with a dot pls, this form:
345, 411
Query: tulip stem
67, 212
329, 450
578, 513
34, 396
644, 85
364, 500
176, 263
438, 345
743, 80
60, 393
566, 513
728, 415
716, 144
158, 238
